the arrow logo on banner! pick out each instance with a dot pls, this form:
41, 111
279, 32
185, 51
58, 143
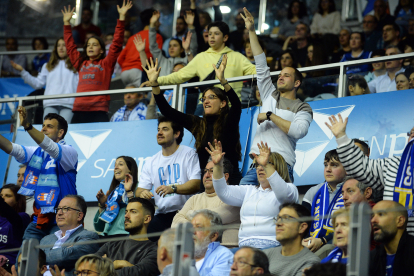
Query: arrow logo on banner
305, 158
321, 118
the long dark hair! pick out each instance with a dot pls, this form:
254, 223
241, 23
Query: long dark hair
181, 45
54, 59
331, 7
133, 168
292, 55
84, 54
399, 7
20, 200
200, 127
319, 57
302, 9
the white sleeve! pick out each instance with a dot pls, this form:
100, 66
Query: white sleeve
231, 195
193, 170
264, 80
21, 153
36, 82
64, 154
300, 125
285, 192
372, 85
145, 176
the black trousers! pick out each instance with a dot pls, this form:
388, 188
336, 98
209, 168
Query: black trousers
80, 117
159, 223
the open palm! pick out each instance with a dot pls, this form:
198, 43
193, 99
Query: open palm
221, 69
337, 126
189, 18
139, 43
263, 158
67, 13
155, 16
125, 7
152, 71
187, 41
216, 152
248, 19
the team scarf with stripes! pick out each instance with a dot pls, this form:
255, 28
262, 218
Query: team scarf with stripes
321, 225
403, 188
335, 256
114, 203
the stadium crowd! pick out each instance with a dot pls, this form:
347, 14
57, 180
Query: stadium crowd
203, 185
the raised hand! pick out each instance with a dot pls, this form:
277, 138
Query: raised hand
129, 180
67, 14
187, 41
23, 116
56, 271
16, 66
152, 71
189, 18
263, 158
338, 127
101, 197
248, 20
220, 70
123, 10
154, 18
216, 152
139, 43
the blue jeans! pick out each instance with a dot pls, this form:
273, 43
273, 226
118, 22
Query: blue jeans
251, 177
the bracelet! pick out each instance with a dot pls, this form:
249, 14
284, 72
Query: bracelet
128, 191
156, 86
28, 128
100, 206
225, 83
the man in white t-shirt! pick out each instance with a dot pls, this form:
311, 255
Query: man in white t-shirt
174, 172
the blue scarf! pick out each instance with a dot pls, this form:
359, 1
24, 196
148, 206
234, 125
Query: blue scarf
41, 180
320, 207
114, 203
335, 257
138, 113
403, 188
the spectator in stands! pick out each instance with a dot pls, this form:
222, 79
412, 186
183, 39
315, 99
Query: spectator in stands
380, 174
409, 73
386, 82
394, 255
292, 257
210, 200
403, 12
362, 145
174, 173
165, 254
390, 35
235, 41
211, 257
299, 43
134, 108
354, 191
7, 69
70, 215
248, 50
402, 81
249, 261
109, 38
407, 46
178, 50
345, 48
13, 220
322, 200
326, 269
39, 43
316, 56
181, 29
86, 26
356, 43
109, 219
286, 59
373, 37
239, 65
280, 131
340, 223
257, 228
296, 14
379, 67
59, 76
20, 174
58, 163
326, 20
219, 120
130, 59
382, 15
134, 256
95, 264
410, 27
357, 85
95, 68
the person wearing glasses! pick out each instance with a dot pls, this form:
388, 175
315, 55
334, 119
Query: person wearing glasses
91, 264
249, 261
291, 227
259, 204
219, 121
60, 249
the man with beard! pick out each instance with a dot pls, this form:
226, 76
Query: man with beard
394, 256
137, 255
174, 172
211, 257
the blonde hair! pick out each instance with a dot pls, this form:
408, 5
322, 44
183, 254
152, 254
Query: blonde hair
104, 266
54, 59
280, 166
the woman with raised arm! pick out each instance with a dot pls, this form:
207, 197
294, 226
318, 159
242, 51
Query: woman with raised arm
259, 204
219, 121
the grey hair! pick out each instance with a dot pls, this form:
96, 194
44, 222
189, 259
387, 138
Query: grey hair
227, 166
215, 220
167, 241
393, 46
104, 266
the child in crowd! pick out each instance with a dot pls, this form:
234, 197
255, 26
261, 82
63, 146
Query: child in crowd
95, 68
357, 85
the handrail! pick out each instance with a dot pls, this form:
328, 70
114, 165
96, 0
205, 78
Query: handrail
28, 52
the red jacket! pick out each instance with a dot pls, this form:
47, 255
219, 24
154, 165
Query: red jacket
94, 75
129, 58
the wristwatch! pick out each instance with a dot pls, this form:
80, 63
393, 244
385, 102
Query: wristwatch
28, 128
174, 187
188, 53
268, 114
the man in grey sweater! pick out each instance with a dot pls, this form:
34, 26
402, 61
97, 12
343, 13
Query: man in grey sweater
292, 257
137, 255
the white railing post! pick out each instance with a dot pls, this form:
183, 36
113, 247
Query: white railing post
183, 257
177, 10
341, 82
262, 16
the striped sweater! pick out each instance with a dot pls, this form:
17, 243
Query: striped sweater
379, 174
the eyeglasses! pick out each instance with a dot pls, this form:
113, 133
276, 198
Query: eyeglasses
210, 171
65, 209
210, 97
284, 219
255, 165
241, 263
84, 272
